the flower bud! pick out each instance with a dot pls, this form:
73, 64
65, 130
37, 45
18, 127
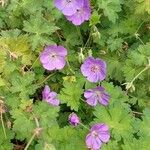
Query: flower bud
74, 119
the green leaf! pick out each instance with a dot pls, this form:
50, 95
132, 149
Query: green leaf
5, 143
23, 84
111, 145
2, 82
71, 94
117, 118
143, 6
110, 8
115, 44
39, 29
39, 25
114, 66
95, 18
23, 125
144, 125
142, 144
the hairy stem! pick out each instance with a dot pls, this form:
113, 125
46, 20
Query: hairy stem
80, 35
3, 126
146, 68
71, 70
30, 141
135, 112
34, 62
46, 79
35, 133
84, 126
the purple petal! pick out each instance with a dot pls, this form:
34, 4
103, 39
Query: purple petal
85, 69
100, 127
49, 66
92, 101
44, 58
93, 77
104, 99
100, 88
61, 51
54, 102
92, 142
45, 92
52, 94
68, 8
88, 93
104, 136
59, 62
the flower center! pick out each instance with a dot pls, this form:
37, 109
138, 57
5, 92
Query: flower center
95, 68
68, 1
53, 55
98, 93
94, 134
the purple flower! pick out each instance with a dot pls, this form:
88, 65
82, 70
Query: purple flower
94, 69
68, 7
95, 95
82, 14
53, 57
50, 96
74, 119
99, 134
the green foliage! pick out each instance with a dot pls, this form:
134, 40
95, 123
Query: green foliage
110, 8
71, 94
39, 29
22, 84
144, 124
117, 32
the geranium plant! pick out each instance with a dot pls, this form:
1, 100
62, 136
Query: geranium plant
74, 75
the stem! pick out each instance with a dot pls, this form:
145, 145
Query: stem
84, 126
82, 100
46, 79
35, 133
135, 112
58, 36
30, 141
139, 26
34, 62
3, 126
87, 42
140, 40
37, 122
80, 35
69, 66
147, 67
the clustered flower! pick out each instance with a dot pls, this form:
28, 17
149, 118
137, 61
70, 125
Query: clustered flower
76, 11
53, 58
99, 133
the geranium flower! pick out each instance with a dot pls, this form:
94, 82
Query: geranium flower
50, 96
94, 69
82, 14
99, 134
95, 95
74, 119
68, 7
53, 57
